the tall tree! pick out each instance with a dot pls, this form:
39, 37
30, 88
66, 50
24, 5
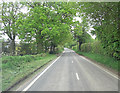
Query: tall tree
48, 25
80, 32
10, 13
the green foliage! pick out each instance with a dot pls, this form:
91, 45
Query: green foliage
15, 61
86, 47
80, 32
105, 21
105, 60
75, 47
26, 49
94, 47
59, 49
10, 14
50, 26
15, 68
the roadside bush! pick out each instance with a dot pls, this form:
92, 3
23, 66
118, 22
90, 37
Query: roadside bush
59, 49
97, 47
86, 47
15, 61
75, 47
94, 47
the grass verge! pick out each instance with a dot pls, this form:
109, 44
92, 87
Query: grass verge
106, 60
15, 68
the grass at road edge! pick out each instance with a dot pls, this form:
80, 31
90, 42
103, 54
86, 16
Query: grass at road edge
12, 74
105, 60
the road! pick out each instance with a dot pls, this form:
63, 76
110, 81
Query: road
72, 72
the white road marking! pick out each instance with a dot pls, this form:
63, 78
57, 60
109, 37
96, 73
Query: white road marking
40, 75
100, 67
72, 61
77, 76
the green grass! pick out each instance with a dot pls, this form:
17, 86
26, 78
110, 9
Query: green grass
106, 60
16, 67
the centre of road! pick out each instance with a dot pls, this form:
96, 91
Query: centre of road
77, 76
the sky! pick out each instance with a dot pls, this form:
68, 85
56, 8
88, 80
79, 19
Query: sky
80, 20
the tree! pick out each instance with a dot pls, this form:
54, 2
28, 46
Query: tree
80, 32
10, 12
49, 26
104, 17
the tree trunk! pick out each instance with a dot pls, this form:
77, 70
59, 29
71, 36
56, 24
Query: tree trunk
80, 44
39, 44
46, 47
12, 47
39, 48
51, 48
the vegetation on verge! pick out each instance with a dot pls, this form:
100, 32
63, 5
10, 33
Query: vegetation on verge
96, 52
15, 68
105, 60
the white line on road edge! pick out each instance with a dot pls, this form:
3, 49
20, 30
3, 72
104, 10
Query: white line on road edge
77, 76
100, 67
40, 75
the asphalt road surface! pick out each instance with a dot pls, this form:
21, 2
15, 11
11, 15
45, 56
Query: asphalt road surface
72, 72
